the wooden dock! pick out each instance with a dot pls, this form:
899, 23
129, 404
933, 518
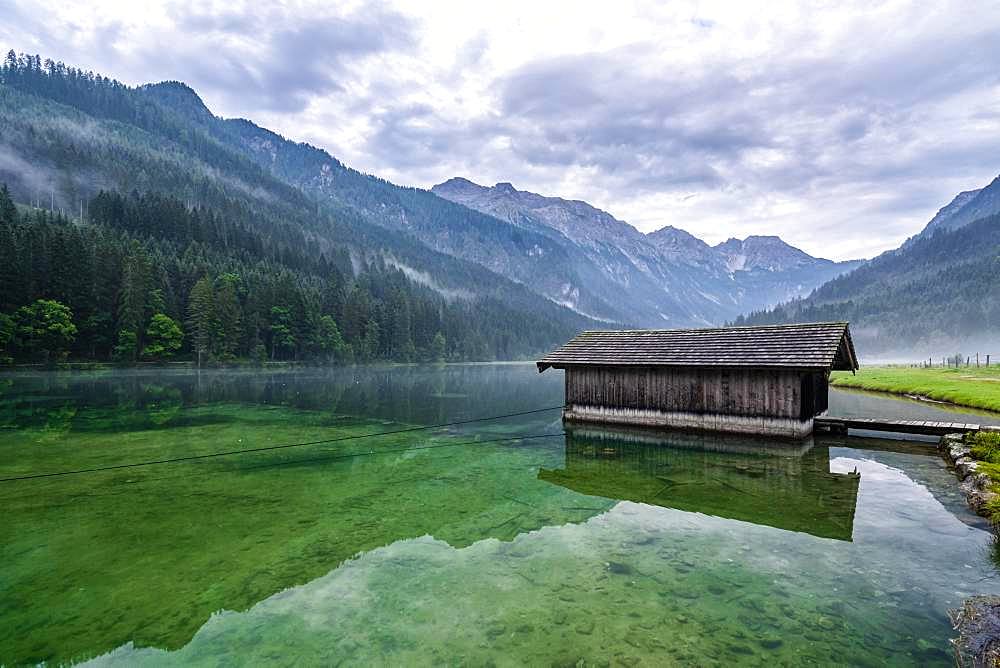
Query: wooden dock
839, 425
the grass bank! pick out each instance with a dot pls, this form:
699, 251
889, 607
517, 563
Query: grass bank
965, 386
986, 452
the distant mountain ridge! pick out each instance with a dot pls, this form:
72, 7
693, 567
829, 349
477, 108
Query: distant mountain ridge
965, 208
710, 283
69, 135
937, 294
566, 262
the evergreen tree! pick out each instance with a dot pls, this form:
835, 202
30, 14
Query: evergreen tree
202, 322
132, 303
229, 315
7, 332
438, 347
126, 348
282, 337
8, 211
328, 341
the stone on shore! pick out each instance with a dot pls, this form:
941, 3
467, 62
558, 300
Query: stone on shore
978, 626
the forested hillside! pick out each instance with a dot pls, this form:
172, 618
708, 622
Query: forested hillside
138, 230
939, 293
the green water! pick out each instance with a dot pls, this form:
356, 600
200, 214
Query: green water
457, 545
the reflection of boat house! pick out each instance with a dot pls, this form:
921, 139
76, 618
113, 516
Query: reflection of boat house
736, 477
759, 380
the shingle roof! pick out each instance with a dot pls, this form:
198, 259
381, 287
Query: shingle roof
822, 345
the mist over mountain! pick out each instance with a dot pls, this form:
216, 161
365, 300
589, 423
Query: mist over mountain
936, 295
511, 272
171, 195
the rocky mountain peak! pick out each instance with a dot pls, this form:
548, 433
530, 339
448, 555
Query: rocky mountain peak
967, 206
458, 183
762, 252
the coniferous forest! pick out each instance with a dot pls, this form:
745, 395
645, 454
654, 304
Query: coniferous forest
128, 234
147, 278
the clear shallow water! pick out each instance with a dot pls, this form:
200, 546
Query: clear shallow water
444, 546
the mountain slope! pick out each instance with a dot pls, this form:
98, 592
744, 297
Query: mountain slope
967, 207
525, 257
68, 134
621, 259
936, 294
670, 268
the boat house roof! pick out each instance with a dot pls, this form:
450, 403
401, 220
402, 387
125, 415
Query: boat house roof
820, 345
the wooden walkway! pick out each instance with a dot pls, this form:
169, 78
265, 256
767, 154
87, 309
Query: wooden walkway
839, 425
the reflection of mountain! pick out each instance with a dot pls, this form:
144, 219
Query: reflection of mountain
752, 480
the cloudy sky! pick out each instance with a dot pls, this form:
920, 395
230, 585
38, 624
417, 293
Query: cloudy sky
841, 128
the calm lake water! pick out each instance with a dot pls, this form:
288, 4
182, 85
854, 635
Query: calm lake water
503, 542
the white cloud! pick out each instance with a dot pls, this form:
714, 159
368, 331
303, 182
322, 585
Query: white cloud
840, 127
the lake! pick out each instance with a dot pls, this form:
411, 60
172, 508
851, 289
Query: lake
498, 542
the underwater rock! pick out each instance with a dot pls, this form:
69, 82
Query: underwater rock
771, 642
618, 568
978, 626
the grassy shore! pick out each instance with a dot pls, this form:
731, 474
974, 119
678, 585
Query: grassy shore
976, 387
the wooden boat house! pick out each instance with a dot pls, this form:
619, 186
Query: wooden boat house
756, 380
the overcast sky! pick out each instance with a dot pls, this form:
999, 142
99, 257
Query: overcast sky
841, 129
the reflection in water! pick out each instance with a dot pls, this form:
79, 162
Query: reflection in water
759, 480
432, 547
849, 402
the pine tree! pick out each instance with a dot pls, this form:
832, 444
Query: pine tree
282, 337
132, 300
229, 314
8, 211
202, 322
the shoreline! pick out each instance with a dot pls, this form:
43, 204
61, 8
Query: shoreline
972, 388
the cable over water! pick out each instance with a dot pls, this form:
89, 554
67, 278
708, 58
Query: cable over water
266, 448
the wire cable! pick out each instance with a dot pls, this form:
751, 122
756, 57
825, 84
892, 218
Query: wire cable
313, 460
266, 448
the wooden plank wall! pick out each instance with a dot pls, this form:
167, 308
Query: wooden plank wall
746, 392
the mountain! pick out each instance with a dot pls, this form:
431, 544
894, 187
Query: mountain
967, 207
936, 295
668, 276
188, 195
763, 254
543, 266
681, 246
621, 265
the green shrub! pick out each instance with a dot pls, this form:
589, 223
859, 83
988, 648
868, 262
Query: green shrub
985, 446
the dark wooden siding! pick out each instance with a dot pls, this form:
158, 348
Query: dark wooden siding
746, 392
